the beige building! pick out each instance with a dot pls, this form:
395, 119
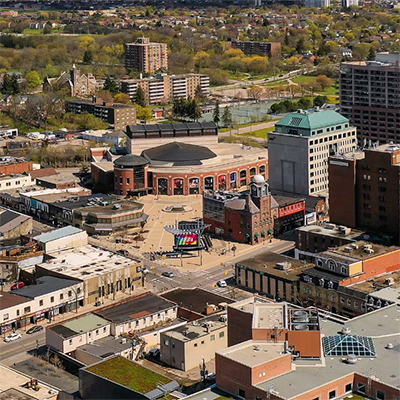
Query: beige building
13, 224
146, 57
185, 347
162, 88
69, 335
15, 181
102, 272
74, 82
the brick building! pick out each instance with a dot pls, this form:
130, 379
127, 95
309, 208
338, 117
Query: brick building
145, 56
244, 217
267, 355
370, 95
11, 165
364, 190
116, 115
270, 49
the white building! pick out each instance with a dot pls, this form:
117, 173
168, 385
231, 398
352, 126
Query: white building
299, 149
349, 3
317, 3
15, 181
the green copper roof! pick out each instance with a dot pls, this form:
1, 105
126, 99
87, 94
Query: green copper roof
312, 119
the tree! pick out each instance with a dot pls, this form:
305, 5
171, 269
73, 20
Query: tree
216, 117
89, 121
198, 94
319, 101
227, 117
10, 84
371, 54
324, 81
105, 95
255, 92
47, 29
111, 85
140, 97
88, 57
304, 103
33, 79
193, 109
122, 98
143, 113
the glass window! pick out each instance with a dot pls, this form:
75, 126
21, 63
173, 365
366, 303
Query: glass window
349, 387
332, 394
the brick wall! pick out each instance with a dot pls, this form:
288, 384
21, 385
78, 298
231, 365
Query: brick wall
239, 326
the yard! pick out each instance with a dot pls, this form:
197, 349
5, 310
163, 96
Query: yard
306, 79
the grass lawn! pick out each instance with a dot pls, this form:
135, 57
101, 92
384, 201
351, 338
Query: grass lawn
242, 126
277, 83
305, 79
261, 133
129, 374
29, 31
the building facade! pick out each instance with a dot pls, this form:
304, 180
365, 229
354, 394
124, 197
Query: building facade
300, 147
116, 115
245, 217
270, 49
163, 88
370, 97
146, 57
365, 190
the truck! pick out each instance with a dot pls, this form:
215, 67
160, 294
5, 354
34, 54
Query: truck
36, 136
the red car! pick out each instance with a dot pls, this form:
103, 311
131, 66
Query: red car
18, 285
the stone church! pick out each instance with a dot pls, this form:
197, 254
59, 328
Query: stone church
78, 84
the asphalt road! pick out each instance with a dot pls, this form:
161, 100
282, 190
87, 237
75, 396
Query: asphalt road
16, 351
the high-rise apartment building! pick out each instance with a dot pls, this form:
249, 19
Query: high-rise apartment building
163, 88
370, 97
299, 149
364, 190
349, 3
270, 49
317, 3
146, 57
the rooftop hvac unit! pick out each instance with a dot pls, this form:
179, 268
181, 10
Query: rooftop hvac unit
330, 226
389, 281
348, 249
223, 318
123, 341
369, 251
367, 246
283, 266
354, 246
117, 206
301, 327
389, 346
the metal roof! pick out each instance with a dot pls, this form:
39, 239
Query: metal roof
57, 234
44, 285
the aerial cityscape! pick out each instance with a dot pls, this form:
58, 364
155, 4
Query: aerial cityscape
200, 201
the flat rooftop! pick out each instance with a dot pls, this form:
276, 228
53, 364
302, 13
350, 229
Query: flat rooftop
77, 326
13, 176
127, 373
136, 307
269, 316
59, 178
52, 195
359, 254
248, 305
381, 325
267, 262
87, 261
9, 300
252, 353
325, 231
85, 201
10, 219
11, 379
195, 299
379, 283
197, 329
126, 206
106, 347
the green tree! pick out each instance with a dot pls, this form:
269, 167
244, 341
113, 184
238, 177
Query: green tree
371, 54
89, 121
143, 113
47, 29
319, 101
122, 98
10, 84
227, 117
88, 57
324, 81
216, 114
140, 97
111, 85
199, 94
33, 79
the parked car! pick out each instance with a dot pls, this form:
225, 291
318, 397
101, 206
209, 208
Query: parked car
35, 329
221, 283
145, 271
154, 352
18, 285
168, 274
123, 252
12, 337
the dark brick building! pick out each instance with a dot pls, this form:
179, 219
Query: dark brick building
270, 49
243, 217
364, 190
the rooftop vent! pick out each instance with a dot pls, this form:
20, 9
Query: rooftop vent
346, 330
283, 266
351, 359
256, 348
389, 346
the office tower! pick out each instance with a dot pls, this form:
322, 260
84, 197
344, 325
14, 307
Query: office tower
146, 57
299, 149
370, 97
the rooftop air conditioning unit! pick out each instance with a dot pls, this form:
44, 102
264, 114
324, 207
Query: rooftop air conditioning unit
369, 251
354, 246
348, 249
